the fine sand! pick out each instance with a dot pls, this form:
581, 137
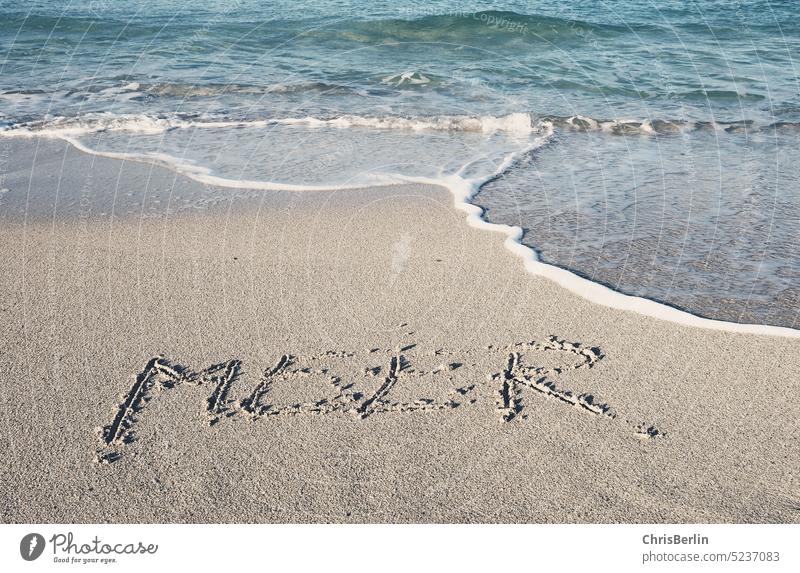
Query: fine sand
359, 356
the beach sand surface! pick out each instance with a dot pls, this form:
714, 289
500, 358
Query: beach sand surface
176, 352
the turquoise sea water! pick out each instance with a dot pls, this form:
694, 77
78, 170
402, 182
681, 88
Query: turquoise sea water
650, 146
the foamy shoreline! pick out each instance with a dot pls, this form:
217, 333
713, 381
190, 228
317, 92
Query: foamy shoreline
463, 190
412, 390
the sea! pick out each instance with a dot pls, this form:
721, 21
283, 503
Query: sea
649, 147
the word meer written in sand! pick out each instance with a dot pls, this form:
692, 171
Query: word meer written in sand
394, 382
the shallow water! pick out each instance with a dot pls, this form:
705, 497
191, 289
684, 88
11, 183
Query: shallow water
658, 146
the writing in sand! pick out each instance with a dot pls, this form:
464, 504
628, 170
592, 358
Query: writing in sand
360, 385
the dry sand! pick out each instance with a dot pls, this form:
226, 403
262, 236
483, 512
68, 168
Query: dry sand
404, 394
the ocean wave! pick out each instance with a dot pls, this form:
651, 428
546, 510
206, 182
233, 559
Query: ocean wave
458, 25
662, 126
520, 123
91, 124
516, 123
416, 24
400, 22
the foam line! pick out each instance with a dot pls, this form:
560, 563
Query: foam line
203, 175
592, 291
61, 127
603, 295
518, 123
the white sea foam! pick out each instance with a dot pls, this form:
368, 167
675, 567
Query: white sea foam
515, 123
61, 127
410, 77
519, 123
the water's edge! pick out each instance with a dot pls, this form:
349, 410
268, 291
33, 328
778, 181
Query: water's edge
463, 191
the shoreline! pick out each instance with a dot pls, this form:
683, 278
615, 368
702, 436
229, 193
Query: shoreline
398, 402
462, 192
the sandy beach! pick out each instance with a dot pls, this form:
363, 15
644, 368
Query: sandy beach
177, 352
